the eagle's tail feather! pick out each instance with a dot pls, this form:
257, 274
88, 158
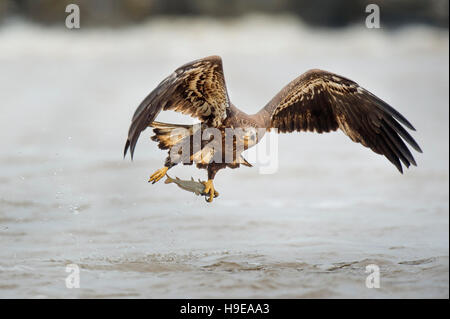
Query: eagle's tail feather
168, 134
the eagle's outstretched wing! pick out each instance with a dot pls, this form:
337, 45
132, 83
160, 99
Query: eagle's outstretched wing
196, 89
321, 101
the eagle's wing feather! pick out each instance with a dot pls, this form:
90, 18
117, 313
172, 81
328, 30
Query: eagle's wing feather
196, 89
322, 102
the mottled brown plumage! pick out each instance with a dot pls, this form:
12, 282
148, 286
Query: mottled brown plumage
317, 101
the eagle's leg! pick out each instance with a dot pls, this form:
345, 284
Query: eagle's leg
160, 173
209, 189
209, 185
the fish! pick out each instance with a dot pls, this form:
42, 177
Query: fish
198, 188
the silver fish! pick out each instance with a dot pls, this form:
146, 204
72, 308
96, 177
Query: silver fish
198, 188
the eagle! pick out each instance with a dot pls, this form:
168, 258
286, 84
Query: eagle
316, 101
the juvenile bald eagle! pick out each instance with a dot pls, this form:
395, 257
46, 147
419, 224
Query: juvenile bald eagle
317, 101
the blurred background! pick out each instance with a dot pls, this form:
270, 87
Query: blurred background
308, 231
323, 13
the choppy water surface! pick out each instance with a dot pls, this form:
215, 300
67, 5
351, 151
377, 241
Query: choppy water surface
309, 230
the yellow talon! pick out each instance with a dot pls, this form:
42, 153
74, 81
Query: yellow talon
209, 189
156, 176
